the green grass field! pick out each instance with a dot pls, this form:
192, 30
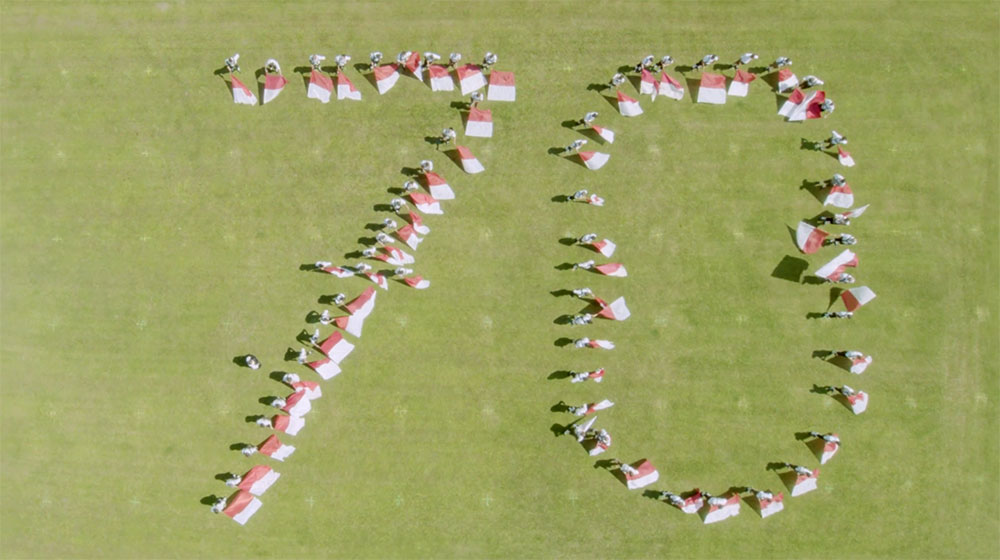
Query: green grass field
152, 230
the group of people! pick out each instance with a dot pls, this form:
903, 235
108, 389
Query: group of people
799, 479
321, 86
324, 355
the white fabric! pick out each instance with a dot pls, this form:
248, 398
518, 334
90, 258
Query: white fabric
479, 129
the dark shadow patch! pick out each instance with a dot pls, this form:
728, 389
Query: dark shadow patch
563, 342
815, 188
560, 374
568, 241
305, 72
834, 296
790, 268
561, 406
563, 320
560, 293
693, 86
454, 156
613, 101
564, 266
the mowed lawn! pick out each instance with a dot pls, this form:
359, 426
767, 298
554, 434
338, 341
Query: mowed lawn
152, 231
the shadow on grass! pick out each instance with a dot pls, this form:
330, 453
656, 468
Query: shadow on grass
815, 188
790, 268
560, 374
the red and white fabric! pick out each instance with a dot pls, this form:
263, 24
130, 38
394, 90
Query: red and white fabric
287, 424
647, 85
605, 344
273, 84
786, 80
605, 247
470, 163
712, 89
320, 86
440, 78
805, 483
833, 269
350, 323
425, 203
794, 100
241, 93
606, 134
241, 506
599, 447
501, 86
809, 108
418, 224
595, 200
470, 78
413, 65
844, 157
720, 513
830, 448
273, 448
627, 106
326, 368
297, 404
856, 212
407, 235
840, 196
378, 279
480, 123
860, 364
338, 271
858, 402
417, 282
594, 407
693, 503
394, 256
386, 76
809, 238
856, 297
258, 479
612, 269
741, 83
312, 389
594, 160
772, 506
363, 305
346, 89
597, 375
335, 347
438, 187
670, 87
617, 311
647, 475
